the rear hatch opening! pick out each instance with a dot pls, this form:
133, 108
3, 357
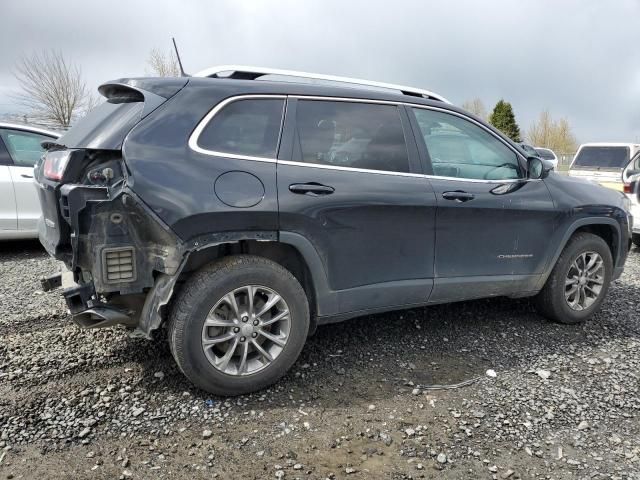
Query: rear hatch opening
92, 221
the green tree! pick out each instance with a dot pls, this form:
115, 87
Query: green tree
504, 120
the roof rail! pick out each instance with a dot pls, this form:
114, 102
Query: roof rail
243, 72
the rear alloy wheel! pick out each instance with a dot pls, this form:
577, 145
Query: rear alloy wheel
578, 282
246, 330
238, 325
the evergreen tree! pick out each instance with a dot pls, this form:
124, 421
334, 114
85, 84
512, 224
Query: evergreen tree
504, 120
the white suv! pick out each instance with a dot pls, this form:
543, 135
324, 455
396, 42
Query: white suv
19, 205
603, 163
631, 186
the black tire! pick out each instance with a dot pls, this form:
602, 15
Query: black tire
551, 302
200, 294
635, 238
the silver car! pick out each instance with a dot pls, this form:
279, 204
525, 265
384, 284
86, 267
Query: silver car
19, 205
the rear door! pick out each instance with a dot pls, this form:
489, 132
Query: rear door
8, 214
349, 181
492, 224
24, 149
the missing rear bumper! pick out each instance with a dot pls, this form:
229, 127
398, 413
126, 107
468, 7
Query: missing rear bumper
88, 312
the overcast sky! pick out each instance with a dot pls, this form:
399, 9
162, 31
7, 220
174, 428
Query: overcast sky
579, 59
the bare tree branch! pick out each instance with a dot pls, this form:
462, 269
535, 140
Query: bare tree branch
556, 135
476, 107
163, 65
52, 88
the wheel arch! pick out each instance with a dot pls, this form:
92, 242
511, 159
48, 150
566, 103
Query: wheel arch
292, 251
606, 228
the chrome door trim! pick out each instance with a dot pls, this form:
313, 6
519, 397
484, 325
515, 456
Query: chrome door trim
193, 138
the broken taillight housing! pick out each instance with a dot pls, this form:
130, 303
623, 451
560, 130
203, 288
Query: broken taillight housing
55, 163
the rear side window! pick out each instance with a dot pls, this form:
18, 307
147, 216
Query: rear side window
356, 135
24, 147
248, 127
604, 157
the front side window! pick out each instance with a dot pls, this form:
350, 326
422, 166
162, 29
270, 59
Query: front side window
248, 127
349, 134
461, 149
24, 147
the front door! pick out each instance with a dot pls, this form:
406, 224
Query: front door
349, 181
24, 149
492, 224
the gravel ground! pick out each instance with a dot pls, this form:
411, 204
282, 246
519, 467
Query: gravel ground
563, 403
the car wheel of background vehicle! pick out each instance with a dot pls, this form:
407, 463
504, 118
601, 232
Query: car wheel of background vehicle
635, 238
238, 325
578, 282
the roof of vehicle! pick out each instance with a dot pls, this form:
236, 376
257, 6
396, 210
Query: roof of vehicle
244, 72
29, 128
610, 144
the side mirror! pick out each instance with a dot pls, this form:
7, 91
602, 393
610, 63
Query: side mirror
538, 168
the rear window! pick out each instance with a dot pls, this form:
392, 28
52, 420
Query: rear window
604, 157
546, 154
103, 127
245, 127
529, 149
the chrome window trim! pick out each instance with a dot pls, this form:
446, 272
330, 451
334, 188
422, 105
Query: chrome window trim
397, 174
193, 139
29, 129
349, 169
195, 135
214, 72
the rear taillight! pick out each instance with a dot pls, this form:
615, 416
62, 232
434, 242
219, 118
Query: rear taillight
55, 163
627, 188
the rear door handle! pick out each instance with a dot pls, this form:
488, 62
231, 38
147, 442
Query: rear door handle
24, 175
458, 196
313, 189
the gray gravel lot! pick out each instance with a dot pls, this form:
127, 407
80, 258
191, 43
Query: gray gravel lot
564, 402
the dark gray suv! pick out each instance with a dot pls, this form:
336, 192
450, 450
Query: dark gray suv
241, 211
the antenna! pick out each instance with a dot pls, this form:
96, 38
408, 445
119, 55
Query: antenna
178, 56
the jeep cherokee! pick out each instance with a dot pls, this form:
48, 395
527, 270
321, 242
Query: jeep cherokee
240, 210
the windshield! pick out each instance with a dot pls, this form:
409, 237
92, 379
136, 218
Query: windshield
604, 157
545, 153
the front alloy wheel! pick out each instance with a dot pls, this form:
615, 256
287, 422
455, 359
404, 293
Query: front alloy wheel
584, 281
578, 283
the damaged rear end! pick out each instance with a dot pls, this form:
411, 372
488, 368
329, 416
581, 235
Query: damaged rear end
116, 249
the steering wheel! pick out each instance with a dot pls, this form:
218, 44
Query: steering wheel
504, 165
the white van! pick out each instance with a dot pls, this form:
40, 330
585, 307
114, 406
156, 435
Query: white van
604, 162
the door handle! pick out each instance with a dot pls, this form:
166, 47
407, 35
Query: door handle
458, 196
24, 175
313, 189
